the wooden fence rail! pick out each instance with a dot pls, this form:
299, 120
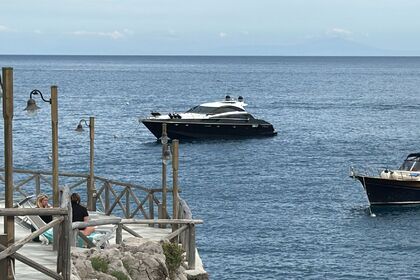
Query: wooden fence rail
62, 223
187, 228
136, 203
111, 196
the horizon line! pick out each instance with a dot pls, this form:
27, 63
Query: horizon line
209, 55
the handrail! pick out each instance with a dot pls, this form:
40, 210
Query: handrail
119, 194
17, 245
61, 224
111, 195
187, 229
32, 211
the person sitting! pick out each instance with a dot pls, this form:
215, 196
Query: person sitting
42, 202
80, 214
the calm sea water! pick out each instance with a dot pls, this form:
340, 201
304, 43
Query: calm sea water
274, 208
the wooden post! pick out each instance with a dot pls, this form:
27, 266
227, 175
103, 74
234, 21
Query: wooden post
160, 209
175, 161
118, 234
164, 140
54, 126
191, 246
151, 208
91, 188
4, 263
38, 184
64, 256
107, 186
127, 203
9, 221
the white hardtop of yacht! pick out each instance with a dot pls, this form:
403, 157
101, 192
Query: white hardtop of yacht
216, 104
227, 102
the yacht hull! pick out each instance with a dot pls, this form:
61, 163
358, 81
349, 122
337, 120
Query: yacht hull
382, 191
187, 129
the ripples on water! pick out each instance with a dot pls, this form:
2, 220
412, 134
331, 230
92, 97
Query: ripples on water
274, 208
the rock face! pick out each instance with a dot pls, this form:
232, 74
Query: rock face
135, 259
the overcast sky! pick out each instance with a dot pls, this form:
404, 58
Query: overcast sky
216, 27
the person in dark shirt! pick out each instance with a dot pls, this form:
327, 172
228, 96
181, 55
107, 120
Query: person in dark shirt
42, 202
80, 213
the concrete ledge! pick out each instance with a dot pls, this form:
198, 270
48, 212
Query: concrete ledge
198, 273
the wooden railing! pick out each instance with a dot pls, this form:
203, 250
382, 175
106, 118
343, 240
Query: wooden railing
185, 232
136, 203
62, 223
111, 197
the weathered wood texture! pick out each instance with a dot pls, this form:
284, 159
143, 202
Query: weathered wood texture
62, 223
9, 223
18, 244
32, 211
36, 265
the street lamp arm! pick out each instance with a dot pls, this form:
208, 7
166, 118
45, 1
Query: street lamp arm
83, 120
79, 127
35, 92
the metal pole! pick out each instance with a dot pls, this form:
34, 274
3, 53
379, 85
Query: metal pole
92, 191
9, 221
54, 126
164, 140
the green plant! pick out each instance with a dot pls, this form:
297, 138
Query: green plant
173, 253
99, 264
119, 275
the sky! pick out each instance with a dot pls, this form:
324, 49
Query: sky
204, 27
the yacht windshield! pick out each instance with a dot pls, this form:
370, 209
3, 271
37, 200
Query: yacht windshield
213, 110
406, 165
235, 116
227, 109
410, 165
416, 166
200, 110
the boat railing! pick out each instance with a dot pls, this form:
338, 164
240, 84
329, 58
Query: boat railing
366, 171
384, 173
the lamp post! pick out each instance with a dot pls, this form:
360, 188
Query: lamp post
91, 191
31, 108
9, 221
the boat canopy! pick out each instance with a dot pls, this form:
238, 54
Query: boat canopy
411, 163
200, 109
415, 156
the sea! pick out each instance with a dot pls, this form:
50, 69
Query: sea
281, 207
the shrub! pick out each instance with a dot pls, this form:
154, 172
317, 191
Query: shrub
119, 275
99, 264
173, 254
